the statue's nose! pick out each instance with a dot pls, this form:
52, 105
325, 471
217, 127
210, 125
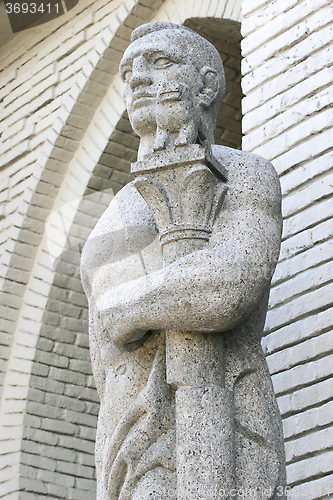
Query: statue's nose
140, 73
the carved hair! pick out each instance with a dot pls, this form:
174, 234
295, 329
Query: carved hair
201, 52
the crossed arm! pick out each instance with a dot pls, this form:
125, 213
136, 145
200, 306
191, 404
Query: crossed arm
209, 290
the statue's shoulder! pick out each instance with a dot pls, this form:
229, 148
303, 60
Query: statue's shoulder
240, 162
250, 177
126, 224
127, 209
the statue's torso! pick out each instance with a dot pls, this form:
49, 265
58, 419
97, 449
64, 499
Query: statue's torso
127, 244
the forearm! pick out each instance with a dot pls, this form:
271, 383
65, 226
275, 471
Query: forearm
210, 290
96, 346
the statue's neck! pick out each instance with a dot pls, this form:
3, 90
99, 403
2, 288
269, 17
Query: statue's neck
146, 146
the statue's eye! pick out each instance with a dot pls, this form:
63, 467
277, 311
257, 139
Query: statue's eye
126, 75
162, 62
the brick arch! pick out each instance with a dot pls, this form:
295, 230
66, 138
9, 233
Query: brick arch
55, 388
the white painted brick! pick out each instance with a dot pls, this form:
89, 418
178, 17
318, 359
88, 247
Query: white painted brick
306, 239
12, 301
105, 11
87, 433
287, 119
38, 82
37, 461
59, 427
318, 189
321, 211
302, 282
308, 420
315, 146
306, 397
287, 60
250, 6
33, 485
14, 288
24, 352
40, 436
295, 264
52, 359
9, 474
14, 129
80, 366
12, 459
288, 98
72, 69
80, 418
286, 29
310, 127
57, 453
20, 365
8, 76
16, 406
314, 466
75, 391
315, 442
17, 379
76, 58
92, 408
86, 459
21, 78
302, 375
85, 484
76, 444
15, 152
31, 107
318, 488
10, 488
64, 42
306, 172
84, 22
78, 494
75, 469
269, 11
308, 303
37, 93
236, 13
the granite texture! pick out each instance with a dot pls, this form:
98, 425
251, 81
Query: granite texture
177, 274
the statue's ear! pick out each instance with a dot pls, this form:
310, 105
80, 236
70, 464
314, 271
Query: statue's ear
211, 85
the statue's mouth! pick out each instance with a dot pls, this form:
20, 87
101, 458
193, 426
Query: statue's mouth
141, 99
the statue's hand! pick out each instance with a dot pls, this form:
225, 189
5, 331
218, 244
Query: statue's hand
177, 117
120, 320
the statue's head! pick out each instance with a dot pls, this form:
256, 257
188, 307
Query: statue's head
162, 52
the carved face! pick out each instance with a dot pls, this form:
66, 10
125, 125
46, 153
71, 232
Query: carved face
149, 62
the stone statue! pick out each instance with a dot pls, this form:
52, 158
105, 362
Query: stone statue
177, 274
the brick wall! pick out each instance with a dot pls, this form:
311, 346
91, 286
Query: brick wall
288, 116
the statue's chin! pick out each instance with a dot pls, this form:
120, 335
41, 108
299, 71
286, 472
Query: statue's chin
158, 484
143, 120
